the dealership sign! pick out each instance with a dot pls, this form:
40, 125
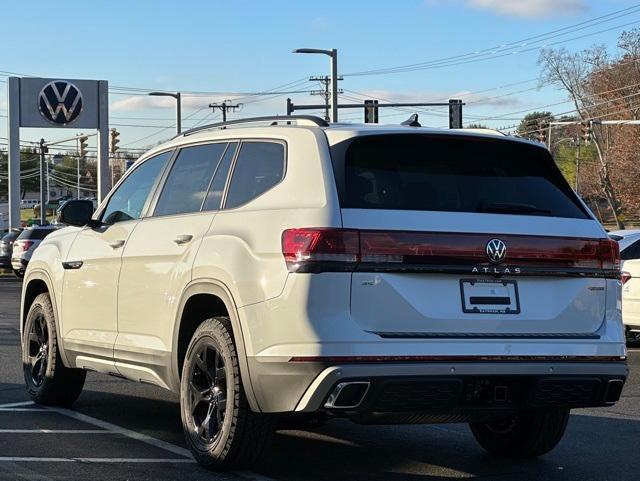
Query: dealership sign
66, 103
60, 102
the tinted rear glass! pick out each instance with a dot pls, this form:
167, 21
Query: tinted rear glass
35, 234
10, 237
455, 174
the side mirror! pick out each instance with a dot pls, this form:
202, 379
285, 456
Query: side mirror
76, 212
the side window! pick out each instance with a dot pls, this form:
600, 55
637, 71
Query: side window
259, 167
128, 200
189, 179
216, 190
631, 252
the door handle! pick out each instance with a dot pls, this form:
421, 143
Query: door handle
183, 239
117, 244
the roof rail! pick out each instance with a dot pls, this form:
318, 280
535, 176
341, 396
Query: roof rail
274, 119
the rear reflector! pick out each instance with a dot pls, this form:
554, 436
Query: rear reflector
625, 277
328, 249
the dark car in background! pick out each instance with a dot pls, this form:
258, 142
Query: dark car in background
6, 247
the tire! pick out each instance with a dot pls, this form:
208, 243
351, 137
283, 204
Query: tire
47, 380
525, 435
220, 429
633, 338
18, 273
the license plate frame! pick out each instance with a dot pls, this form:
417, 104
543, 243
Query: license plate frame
482, 304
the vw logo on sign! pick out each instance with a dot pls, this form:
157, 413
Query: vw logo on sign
60, 102
496, 250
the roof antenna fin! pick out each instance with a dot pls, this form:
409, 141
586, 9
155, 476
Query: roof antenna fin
412, 121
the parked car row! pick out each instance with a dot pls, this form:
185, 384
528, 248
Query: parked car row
629, 242
18, 245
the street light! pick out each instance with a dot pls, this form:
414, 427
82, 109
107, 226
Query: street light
333, 53
178, 106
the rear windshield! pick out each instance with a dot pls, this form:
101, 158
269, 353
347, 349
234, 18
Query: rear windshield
455, 174
35, 234
10, 237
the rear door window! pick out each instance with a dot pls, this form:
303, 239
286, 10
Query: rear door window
189, 179
447, 173
259, 166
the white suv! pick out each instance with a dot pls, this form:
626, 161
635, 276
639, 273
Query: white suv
288, 268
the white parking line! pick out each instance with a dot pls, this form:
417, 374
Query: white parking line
158, 443
106, 428
95, 460
15, 405
56, 431
22, 410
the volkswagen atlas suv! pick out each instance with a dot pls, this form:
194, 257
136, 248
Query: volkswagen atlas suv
284, 268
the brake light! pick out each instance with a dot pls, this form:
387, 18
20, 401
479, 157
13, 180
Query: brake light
25, 245
320, 249
333, 249
625, 277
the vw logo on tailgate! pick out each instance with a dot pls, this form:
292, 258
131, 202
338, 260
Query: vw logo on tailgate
496, 250
60, 102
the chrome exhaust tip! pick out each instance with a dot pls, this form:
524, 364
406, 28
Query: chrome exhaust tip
347, 395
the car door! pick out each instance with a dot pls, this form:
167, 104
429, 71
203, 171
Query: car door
90, 287
157, 260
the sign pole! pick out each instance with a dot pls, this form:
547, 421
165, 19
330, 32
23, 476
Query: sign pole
43, 205
13, 133
103, 140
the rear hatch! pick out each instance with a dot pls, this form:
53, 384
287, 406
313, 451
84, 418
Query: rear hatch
468, 236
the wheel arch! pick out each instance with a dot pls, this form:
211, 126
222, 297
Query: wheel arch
35, 283
208, 293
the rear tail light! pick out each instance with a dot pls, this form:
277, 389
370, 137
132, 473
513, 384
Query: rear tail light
320, 249
25, 245
625, 277
329, 249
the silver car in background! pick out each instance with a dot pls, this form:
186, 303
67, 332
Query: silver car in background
24, 246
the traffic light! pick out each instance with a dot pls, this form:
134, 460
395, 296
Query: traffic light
370, 111
83, 145
541, 132
585, 131
114, 141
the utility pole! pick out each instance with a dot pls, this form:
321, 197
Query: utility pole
224, 107
43, 206
333, 54
325, 80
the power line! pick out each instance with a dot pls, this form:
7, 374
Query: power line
507, 47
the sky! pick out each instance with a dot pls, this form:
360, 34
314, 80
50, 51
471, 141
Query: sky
223, 49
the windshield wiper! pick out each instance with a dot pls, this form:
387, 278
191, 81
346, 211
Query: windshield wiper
510, 208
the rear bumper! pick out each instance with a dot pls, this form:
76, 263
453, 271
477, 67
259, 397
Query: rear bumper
19, 264
434, 391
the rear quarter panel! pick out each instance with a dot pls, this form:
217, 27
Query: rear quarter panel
242, 249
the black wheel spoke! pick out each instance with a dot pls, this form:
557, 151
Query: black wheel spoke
38, 349
207, 393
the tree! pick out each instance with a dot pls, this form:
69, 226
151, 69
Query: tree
601, 87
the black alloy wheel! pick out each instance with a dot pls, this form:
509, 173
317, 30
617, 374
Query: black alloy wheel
38, 349
207, 394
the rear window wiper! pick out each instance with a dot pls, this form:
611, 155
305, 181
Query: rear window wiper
510, 208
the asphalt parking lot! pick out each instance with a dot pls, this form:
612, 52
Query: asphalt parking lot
122, 430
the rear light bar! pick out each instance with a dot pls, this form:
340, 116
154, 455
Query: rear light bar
24, 244
333, 249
